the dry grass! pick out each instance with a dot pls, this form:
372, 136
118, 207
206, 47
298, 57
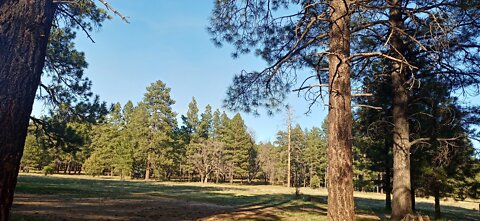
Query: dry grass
67, 197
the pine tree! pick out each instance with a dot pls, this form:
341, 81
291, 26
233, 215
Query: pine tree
373, 127
298, 163
37, 154
216, 124
112, 146
161, 123
127, 113
238, 144
191, 122
138, 129
205, 126
220, 125
189, 134
315, 154
27, 37
313, 33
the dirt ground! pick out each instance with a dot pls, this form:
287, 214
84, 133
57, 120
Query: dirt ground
54, 208
147, 208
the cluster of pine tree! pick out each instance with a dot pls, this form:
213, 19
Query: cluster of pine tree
216, 146
144, 141
444, 161
308, 159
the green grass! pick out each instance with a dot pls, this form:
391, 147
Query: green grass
84, 188
265, 202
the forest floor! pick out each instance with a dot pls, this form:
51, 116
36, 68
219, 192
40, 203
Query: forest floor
63, 197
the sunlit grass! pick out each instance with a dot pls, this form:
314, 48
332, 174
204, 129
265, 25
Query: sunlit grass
247, 202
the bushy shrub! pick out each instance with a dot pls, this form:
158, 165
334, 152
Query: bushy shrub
93, 166
315, 182
48, 170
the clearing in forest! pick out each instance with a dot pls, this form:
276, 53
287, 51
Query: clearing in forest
82, 198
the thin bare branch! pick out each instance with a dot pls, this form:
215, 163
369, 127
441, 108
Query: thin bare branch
310, 86
368, 106
109, 7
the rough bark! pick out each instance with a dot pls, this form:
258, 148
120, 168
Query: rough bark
402, 202
24, 31
340, 173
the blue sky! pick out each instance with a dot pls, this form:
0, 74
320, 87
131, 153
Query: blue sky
168, 41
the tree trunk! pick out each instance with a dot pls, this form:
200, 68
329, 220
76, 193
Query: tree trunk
340, 171
412, 193
310, 175
69, 168
75, 168
305, 177
231, 175
388, 189
24, 32
402, 202
326, 177
58, 165
64, 165
379, 181
147, 168
273, 176
289, 162
438, 214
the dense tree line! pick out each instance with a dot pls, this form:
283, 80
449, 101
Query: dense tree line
144, 141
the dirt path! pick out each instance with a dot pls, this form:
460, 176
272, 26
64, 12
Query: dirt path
56, 208
148, 208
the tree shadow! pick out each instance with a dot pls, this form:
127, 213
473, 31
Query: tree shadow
53, 198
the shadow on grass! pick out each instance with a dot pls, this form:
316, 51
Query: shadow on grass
53, 198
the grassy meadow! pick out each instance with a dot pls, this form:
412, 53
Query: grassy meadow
62, 197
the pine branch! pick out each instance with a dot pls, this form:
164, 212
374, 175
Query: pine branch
84, 29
